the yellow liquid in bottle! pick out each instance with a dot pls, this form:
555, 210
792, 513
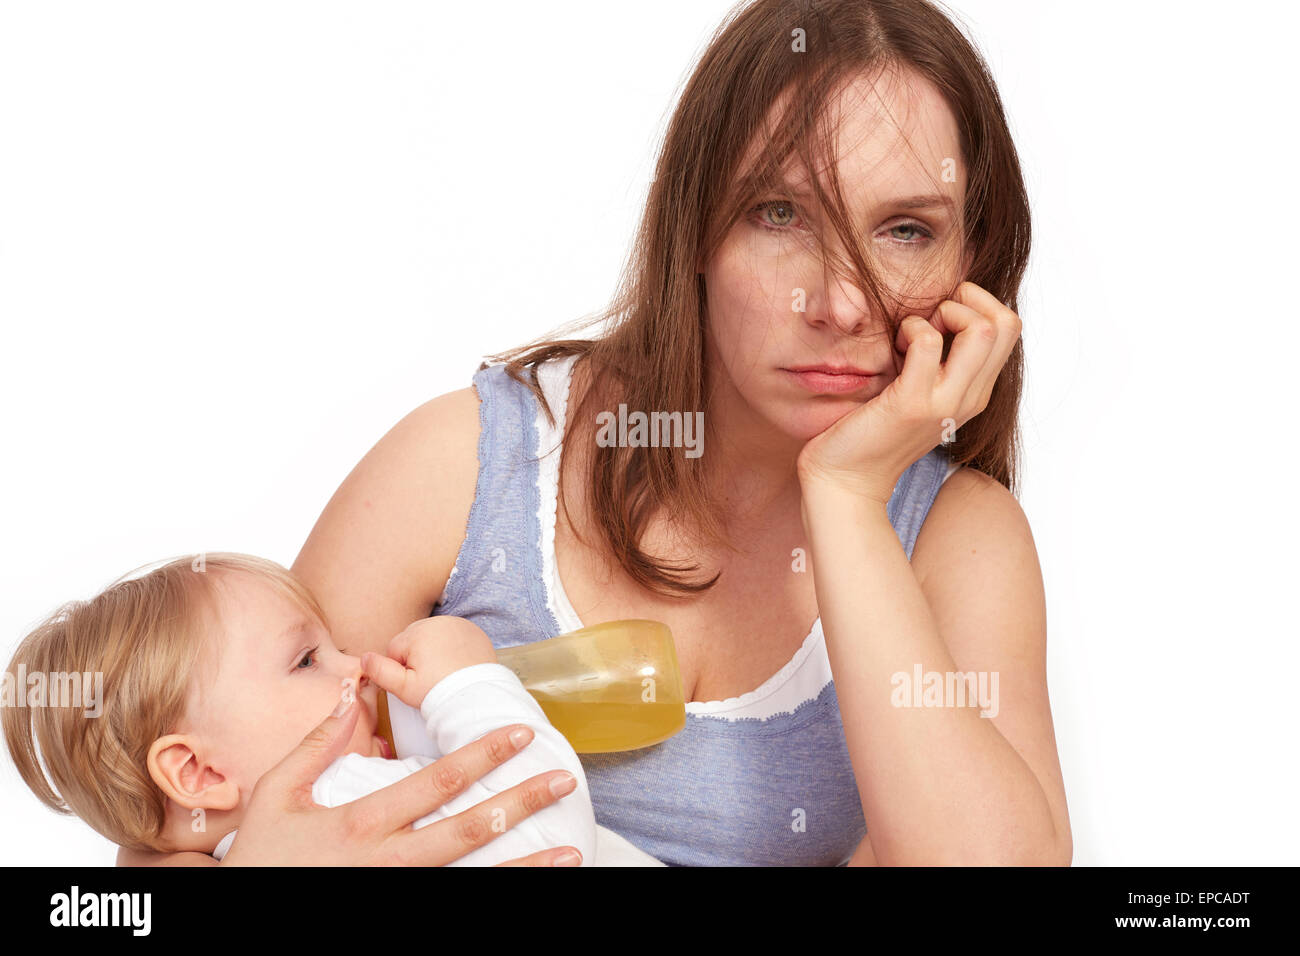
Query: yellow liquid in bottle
609, 687
605, 726
593, 726
593, 684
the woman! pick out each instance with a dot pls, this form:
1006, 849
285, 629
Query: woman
827, 270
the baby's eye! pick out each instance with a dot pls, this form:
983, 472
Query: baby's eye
308, 660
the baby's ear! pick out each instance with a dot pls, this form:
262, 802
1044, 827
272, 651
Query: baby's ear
178, 768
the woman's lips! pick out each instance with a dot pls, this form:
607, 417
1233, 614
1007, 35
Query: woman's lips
829, 383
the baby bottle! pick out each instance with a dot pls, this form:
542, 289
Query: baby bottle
612, 686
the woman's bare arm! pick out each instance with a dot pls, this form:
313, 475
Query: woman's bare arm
863, 855
380, 554
963, 788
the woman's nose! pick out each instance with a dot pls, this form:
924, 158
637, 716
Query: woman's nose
840, 304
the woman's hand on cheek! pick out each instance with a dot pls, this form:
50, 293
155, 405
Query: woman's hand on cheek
867, 451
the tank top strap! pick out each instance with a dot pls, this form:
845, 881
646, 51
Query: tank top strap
914, 494
499, 568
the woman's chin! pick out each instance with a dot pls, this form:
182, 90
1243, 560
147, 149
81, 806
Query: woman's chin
808, 420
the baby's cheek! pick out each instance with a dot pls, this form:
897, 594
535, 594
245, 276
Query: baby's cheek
285, 727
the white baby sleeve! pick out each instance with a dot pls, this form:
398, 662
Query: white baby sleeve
474, 700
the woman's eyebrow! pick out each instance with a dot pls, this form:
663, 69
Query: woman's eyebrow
922, 201
931, 201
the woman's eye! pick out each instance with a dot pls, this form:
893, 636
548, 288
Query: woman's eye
776, 214
914, 230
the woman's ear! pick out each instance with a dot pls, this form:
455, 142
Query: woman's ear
177, 766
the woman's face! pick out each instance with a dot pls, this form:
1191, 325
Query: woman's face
897, 141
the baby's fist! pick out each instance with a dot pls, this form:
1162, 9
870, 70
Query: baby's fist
426, 652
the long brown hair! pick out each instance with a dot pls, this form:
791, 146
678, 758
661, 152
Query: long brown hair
652, 355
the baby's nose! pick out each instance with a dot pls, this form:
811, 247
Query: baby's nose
351, 669
353, 675
359, 680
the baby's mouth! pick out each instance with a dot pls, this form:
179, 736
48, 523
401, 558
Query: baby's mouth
385, 750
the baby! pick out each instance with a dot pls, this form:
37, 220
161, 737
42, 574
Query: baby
213, 670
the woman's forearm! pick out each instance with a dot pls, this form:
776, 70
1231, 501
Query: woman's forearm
938, 784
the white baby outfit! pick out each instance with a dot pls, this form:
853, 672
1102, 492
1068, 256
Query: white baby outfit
460, 708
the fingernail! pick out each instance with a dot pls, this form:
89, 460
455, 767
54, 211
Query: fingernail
562, 784
520, 737
569, 858
343, 705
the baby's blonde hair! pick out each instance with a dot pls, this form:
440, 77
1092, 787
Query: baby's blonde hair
147, 636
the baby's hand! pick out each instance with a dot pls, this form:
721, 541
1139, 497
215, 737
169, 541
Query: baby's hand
426, 652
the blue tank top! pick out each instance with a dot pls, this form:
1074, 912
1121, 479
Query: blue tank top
772, 791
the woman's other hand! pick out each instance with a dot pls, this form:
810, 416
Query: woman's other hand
283, 826
868, 449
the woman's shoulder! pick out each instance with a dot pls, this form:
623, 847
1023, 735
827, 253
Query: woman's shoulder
433, 450
972, 514
435, 465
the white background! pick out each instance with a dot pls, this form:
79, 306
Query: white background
239, 241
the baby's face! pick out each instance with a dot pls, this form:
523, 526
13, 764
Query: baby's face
278, 677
